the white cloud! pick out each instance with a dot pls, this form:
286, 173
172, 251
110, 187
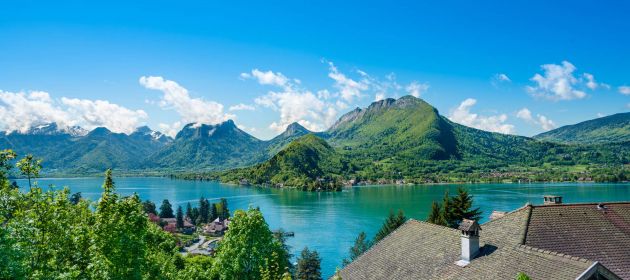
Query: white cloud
20, 111
625, 90
191, 110
267, 77
302, 107
559, 83
416, 89
242, 107
544, 122
495, 123
95, 113
524, 114
349, 89
502, 77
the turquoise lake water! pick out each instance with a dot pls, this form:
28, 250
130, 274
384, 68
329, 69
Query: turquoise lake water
329, 222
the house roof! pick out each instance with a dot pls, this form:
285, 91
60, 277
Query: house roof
585, 230
419, 250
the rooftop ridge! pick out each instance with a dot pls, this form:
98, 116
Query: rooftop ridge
552, 253
582, 204
526, 206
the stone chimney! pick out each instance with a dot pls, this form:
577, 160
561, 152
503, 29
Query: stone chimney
470, 241
552, 199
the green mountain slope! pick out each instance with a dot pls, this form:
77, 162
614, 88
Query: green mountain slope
293, 131
407, 127
84, 154
613, 128
308, 162
209, 147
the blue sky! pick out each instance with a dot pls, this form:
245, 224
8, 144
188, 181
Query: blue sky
517, 67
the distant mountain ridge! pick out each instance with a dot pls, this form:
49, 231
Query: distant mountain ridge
389, 138
609, 129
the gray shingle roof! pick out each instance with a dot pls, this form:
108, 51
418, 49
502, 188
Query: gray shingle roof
419, 250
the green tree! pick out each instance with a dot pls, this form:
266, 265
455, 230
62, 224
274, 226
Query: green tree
120, 228
223, 212
180, 217
213, 212
447, 211
361, 245
166, 210
204, 209
149, 207
247, 247
436, 216
6, 156
462, 204
392, 222
189, 210
75, 198
522, 276
30, 167
308, 265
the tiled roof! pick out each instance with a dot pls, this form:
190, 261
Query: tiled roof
584, 230
419, 250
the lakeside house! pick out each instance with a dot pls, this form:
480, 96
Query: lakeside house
170, 224
550, 241
216, 227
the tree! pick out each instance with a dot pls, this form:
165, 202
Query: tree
6, 156
180, 217
149, 207
392, 222
166, 210
247, 248
361, 245
213, 212
222, 209
120, 228
436, 215
189, 210
204, 209
194, 216
308, 265
462, 204
30, 167
75, 198
447, 211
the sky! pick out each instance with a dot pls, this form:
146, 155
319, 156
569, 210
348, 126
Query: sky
515, 67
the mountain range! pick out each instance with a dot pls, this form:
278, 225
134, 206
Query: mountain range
388, 139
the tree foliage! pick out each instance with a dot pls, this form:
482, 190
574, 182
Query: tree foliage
249, 247
453, 210
392, 222
308, 265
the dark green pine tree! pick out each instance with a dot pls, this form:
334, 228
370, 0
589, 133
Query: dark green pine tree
447, 211
166, 210
462, 207
180, 217
223, 210
204, 208
194, 215
436, 216
149, 207
213, 212
361, 245
308, 266
189, 210
392, 222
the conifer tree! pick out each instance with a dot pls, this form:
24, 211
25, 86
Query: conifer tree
462, 204
308, 266
166, 210
436, 215
392, 222
361, 245
180, 217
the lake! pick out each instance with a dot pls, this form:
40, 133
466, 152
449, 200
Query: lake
329, 222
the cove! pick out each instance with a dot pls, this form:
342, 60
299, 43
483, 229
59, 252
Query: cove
330, 221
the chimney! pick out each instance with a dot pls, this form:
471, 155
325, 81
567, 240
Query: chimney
552, 199
470, 241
